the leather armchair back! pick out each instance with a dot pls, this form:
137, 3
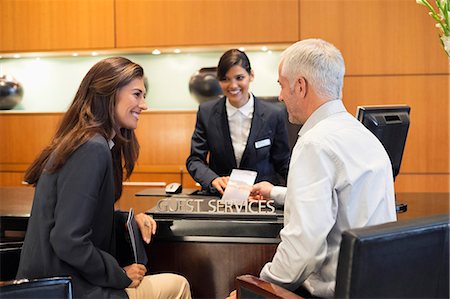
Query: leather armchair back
9, 259
54, 287
406, 259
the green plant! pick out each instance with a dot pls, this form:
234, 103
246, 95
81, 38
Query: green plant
441, 15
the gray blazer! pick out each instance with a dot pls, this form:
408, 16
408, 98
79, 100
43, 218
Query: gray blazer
70, 231
212, 136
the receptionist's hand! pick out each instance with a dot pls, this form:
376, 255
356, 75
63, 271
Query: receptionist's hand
147, 226
220, 183
261, 191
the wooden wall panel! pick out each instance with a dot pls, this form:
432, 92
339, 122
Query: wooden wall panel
393, 56
376, 36
51, 25
10, 178
26, 135
420, 183
141, 23
164, 138
165, 141
427, 144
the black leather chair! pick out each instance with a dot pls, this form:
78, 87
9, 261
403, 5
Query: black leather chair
404, 259
9, 259
54, 287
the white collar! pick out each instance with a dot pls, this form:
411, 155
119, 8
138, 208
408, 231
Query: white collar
246, 110
321, 113
110, 143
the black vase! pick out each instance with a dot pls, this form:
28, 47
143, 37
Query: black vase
204, 85
11, 92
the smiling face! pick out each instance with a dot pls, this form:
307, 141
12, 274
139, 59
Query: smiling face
235, 85
130, 102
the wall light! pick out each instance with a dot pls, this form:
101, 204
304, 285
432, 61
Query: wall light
156, 52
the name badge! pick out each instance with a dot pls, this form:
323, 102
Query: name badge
262, 143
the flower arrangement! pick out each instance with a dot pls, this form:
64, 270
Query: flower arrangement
441, 15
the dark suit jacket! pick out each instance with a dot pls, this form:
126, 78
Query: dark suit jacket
212, 135
70, 231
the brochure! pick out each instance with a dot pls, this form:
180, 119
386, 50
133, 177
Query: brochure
239, 186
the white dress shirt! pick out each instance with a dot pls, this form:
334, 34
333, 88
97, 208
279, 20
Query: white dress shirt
111, 143
340, 177
239, 122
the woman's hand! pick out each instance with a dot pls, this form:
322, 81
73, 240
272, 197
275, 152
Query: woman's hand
147, 226
232, 295
220, 183
136, 273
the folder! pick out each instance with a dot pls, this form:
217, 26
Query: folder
130, 245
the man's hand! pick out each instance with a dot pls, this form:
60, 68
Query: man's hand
220, 183
136, 273
261, 191
147, 226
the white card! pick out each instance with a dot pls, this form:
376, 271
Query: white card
239, 186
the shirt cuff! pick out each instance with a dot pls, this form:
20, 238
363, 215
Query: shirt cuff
278, 194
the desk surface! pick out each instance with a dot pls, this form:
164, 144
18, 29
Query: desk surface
17, 201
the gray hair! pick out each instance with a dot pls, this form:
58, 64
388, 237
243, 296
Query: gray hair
319, 62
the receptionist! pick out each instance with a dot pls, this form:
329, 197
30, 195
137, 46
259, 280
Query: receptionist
238, 131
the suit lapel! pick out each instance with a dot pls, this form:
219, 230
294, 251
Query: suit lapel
257, 124
221, 125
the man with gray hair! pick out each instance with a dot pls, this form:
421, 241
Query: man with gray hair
340, 176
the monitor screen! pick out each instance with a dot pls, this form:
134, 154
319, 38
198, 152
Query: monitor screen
390, 124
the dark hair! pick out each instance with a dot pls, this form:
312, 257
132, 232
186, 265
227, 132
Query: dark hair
231, 58
92, 112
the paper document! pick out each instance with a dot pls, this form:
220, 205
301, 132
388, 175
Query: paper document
239, 185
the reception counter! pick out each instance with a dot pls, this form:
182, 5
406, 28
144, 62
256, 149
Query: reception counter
210, 250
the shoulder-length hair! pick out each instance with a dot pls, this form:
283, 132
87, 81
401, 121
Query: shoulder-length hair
92, 112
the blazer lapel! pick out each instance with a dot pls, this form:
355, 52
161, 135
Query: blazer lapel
222, 126
257, 125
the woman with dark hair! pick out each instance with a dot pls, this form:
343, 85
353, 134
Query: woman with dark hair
78, 178
238, 131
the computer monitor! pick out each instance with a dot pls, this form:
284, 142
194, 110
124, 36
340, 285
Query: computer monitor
390, 124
